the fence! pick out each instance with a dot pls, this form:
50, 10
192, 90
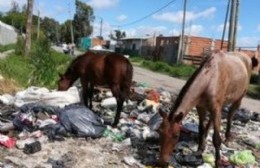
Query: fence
8, 34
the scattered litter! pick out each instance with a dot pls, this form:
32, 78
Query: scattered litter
242, 158
65, 132
32, 147
6, 141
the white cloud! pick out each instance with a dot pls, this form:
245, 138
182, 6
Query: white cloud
176, 17
121, 18
5, 5
194, 30
258, 27
146, 30
60, 9
221, 26
101, 4
174, 32
248, 41
106, 29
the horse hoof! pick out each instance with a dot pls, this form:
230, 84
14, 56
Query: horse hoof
114, 125
228, 142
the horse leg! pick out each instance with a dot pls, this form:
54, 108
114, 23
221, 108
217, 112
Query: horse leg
90, 95
120, 101
216, 118
85, 92
202, 129
231, 113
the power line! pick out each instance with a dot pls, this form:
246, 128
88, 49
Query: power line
147, 16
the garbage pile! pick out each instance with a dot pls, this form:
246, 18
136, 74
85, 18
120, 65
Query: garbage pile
42, 128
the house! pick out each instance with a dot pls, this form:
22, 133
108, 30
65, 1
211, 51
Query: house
8, 34
135, 45
166, 48
194, 48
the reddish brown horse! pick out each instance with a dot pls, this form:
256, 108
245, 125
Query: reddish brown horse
113, 70
221, 79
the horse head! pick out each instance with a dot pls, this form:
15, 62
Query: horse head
64, 82
169, 133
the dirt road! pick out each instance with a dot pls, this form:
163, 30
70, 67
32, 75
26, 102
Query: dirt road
174, 85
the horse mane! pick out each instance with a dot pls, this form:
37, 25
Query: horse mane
71, 67
187, 85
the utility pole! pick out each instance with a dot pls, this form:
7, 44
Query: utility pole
180, 49
225, 25
236, 25
231, 36
27, 46
101, 25
71, 27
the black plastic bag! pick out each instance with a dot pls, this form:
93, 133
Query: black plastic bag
81, 121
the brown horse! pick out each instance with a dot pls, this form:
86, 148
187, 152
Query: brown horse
221, 79
93, 69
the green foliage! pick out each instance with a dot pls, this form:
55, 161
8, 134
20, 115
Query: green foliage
117, 35
65, 31
50, 28
44, 66
17, 68
254, 91
19, 47
136, 59
41, 69
181, 71
83, 17
4, 48
255, 79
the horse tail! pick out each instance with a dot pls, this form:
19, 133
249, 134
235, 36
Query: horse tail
129, 78
254, 61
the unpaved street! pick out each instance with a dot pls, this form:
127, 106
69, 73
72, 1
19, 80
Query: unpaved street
174, 85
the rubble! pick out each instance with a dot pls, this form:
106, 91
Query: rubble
65, 135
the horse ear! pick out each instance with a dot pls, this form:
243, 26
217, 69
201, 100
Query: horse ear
179, 117
254, 61
163, 114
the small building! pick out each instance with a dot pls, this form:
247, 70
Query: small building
8, 34
194, 48
87, 42
133, 45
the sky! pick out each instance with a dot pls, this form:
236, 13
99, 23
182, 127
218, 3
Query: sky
139, 18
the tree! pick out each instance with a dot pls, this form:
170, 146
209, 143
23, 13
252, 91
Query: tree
49, 26
117, 35
27, 47
82, 19
15, 17
65, 31
14, 7
1, 15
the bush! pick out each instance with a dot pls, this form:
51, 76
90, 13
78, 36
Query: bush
4, 48
254, 91
40, 69
46, 64
17, 68
19, 48
255, 79
181, 71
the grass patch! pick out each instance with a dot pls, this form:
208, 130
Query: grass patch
254, 91
16, 68
180, 71
4, 48
42, 72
